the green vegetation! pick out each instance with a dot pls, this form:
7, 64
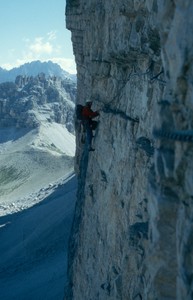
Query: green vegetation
9, 174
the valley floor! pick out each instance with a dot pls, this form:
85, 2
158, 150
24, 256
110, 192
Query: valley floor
33, 249
37, 199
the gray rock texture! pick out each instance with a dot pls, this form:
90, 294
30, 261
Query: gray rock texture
133, 228
31, 100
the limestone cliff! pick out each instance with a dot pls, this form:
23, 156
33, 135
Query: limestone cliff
133, 229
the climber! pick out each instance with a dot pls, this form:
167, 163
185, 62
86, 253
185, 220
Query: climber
88, 115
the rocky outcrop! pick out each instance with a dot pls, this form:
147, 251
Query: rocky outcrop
31, 100
132, 233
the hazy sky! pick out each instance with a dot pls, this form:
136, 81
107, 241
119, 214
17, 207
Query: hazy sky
34, 30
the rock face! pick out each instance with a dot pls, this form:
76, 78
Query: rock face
31, 100
133, 230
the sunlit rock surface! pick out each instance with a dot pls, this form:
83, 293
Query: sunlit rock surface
132, 233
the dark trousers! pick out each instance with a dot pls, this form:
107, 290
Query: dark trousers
90, 125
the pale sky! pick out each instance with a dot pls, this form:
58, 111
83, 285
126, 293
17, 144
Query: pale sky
34, 30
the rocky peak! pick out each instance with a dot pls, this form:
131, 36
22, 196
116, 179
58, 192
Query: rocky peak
31, 100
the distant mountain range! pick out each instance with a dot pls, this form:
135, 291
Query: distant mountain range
33, 69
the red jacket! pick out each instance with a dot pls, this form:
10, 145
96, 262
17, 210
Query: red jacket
88, 113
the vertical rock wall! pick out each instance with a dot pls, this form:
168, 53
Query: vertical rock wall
132, 233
